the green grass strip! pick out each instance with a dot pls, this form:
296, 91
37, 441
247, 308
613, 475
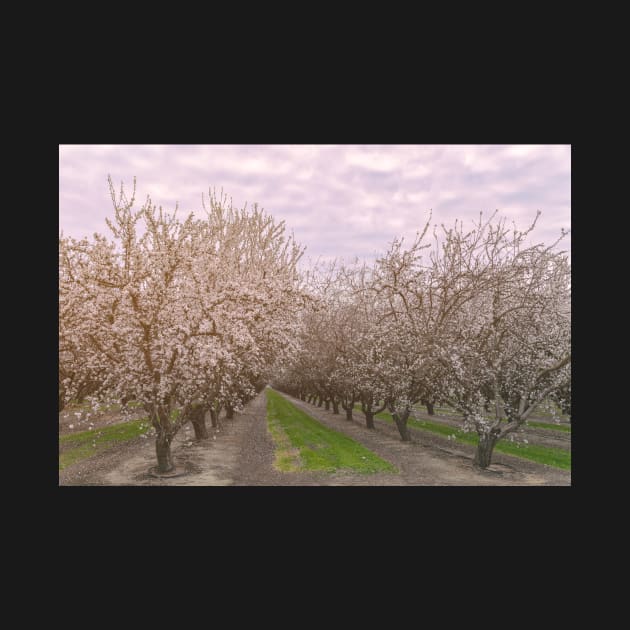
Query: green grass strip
556, 457
542, 425
302, 443
84, 444
552, 427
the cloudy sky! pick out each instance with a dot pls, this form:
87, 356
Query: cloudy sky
339, 200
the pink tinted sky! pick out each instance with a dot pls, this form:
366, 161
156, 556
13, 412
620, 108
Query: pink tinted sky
339, 200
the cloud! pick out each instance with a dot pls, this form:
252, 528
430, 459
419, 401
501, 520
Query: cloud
339, 200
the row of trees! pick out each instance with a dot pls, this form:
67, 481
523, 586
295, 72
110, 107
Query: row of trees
187, 317
190, 317
474, 318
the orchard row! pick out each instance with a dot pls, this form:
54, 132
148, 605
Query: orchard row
186, 317
189, 317
478, 320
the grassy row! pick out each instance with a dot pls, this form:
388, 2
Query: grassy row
302, 443
546, 425
538, 413
100, 407
556, 457
84, 444
541, 425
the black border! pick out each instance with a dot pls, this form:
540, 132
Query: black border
451, 514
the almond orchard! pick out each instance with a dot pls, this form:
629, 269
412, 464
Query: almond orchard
189, 317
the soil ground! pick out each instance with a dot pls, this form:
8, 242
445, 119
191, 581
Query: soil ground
241, 453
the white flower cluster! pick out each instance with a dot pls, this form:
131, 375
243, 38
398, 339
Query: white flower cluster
481, 322
178, 313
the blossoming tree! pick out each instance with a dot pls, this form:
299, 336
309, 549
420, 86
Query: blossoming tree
176, 316
505, 340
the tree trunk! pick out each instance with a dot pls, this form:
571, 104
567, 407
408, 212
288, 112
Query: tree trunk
229, 412
335, 405
214, 418
198, 420
349, 414
401, 424
483, 456
320, 402
369, 419
429, 405
327, 404
201, 431
163, 452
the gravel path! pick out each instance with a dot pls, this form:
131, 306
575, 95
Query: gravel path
241, 453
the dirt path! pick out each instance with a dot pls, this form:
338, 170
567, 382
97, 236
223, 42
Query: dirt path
211, 462
241, 453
